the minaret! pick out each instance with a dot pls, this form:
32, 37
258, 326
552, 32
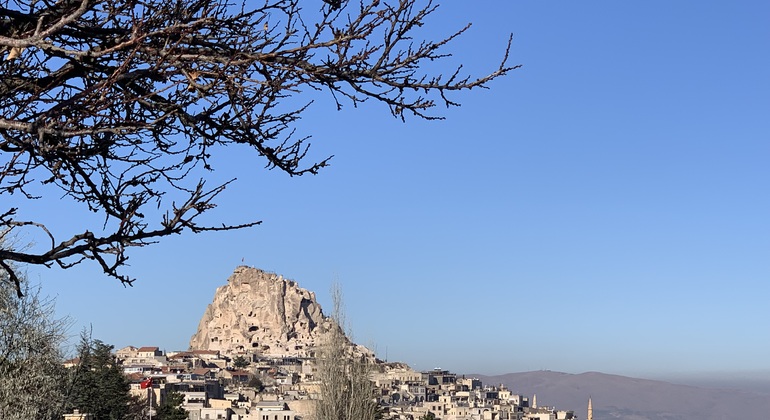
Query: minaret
534, 401
590, 410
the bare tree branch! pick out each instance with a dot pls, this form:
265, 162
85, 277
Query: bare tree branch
120, 104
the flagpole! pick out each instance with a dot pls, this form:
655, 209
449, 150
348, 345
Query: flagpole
149, 398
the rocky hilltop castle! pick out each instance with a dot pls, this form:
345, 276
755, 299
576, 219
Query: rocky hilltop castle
262, 313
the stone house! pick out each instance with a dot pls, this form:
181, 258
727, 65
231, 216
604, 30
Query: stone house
271, 410
236, 376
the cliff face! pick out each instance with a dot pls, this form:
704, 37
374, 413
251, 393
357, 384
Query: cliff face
263, 313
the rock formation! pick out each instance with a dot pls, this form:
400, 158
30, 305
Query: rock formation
263, 313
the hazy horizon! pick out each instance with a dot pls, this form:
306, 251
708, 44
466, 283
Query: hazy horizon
754, 382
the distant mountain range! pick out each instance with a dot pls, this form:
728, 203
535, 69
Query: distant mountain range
622, 398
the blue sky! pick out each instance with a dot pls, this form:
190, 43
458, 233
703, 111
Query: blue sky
604, 208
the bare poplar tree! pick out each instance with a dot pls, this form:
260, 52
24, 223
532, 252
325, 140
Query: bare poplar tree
32, 378
120, 105
346, 388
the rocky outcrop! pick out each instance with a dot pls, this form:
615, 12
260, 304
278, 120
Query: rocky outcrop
261, 312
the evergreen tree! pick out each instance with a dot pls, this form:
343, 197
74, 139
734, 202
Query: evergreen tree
256, 383
240, 362
99, 386
171, 409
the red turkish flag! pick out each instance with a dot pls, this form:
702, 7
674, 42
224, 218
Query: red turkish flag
147, 383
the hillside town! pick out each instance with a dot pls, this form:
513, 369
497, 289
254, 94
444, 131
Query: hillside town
255, 356
249, 387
